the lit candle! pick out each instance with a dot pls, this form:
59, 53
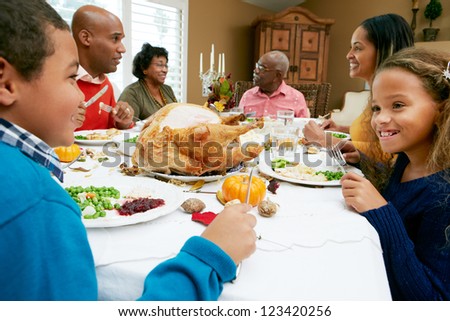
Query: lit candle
415, 4
201, 62
212, 58
223, 63
219, 70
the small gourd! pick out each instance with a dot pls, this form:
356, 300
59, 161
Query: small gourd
267, 208
67, 154
235, 187
192, 205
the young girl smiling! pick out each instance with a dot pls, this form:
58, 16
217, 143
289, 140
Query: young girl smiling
411, 118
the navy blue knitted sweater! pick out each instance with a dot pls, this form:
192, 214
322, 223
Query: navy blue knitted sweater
412, 229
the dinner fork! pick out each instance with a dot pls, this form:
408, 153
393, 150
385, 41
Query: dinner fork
334, 151
108, 109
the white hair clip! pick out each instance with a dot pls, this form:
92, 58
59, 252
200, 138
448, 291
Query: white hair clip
447, 72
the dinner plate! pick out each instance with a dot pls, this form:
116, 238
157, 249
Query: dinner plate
124, 147
138, 126
319, 162
92, 142
172, 196
190, 179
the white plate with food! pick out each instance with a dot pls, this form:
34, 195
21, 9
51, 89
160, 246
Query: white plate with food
311, 169
126, 142
191, 179
137, 128
130, 188
96, 137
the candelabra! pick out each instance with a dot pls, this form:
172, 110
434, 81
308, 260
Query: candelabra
413, 22
207, 79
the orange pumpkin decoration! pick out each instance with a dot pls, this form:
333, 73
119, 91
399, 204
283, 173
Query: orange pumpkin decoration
235, 187
67, 154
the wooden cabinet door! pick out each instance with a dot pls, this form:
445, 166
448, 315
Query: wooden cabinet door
277, 36
302, 36
309, 54
304, 45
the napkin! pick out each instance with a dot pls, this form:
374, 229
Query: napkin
205, 218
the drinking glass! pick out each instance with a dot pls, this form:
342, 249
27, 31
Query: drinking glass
285, 116
284, 140
236, 111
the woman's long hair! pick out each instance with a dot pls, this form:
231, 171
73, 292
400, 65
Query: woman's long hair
389, 33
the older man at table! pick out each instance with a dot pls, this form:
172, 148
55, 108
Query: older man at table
271, 93
98, 34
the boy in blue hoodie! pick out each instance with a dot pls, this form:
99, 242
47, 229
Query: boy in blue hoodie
44, 250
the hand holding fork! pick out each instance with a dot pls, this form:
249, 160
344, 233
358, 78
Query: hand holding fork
127, 109
334, 151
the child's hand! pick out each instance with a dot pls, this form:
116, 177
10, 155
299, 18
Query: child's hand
360, 194
232, 230
81, 115
350, 153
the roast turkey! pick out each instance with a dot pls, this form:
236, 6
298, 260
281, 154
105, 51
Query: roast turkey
192, 140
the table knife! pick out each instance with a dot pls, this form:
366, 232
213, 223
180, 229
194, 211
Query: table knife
96, 96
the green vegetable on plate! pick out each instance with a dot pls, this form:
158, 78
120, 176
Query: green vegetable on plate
280, 163
330, 175
339, 135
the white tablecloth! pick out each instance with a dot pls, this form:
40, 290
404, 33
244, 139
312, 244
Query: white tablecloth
314, 248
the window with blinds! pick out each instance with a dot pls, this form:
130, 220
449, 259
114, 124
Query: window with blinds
161, 23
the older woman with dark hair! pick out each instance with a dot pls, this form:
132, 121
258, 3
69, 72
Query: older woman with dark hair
149, 93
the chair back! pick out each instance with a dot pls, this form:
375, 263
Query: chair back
240, 87
354, 104
317, 95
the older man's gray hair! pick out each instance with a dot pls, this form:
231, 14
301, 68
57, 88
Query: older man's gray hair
281, 61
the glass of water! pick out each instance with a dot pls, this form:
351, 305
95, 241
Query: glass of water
285, 116
284, 140
236, 111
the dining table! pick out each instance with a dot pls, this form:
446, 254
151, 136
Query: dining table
313, 248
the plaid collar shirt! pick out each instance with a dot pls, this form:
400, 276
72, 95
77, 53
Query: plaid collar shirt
31, 146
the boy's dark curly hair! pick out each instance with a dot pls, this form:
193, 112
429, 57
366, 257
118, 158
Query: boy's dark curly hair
24, 30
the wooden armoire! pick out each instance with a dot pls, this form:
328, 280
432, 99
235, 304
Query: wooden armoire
302, 36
